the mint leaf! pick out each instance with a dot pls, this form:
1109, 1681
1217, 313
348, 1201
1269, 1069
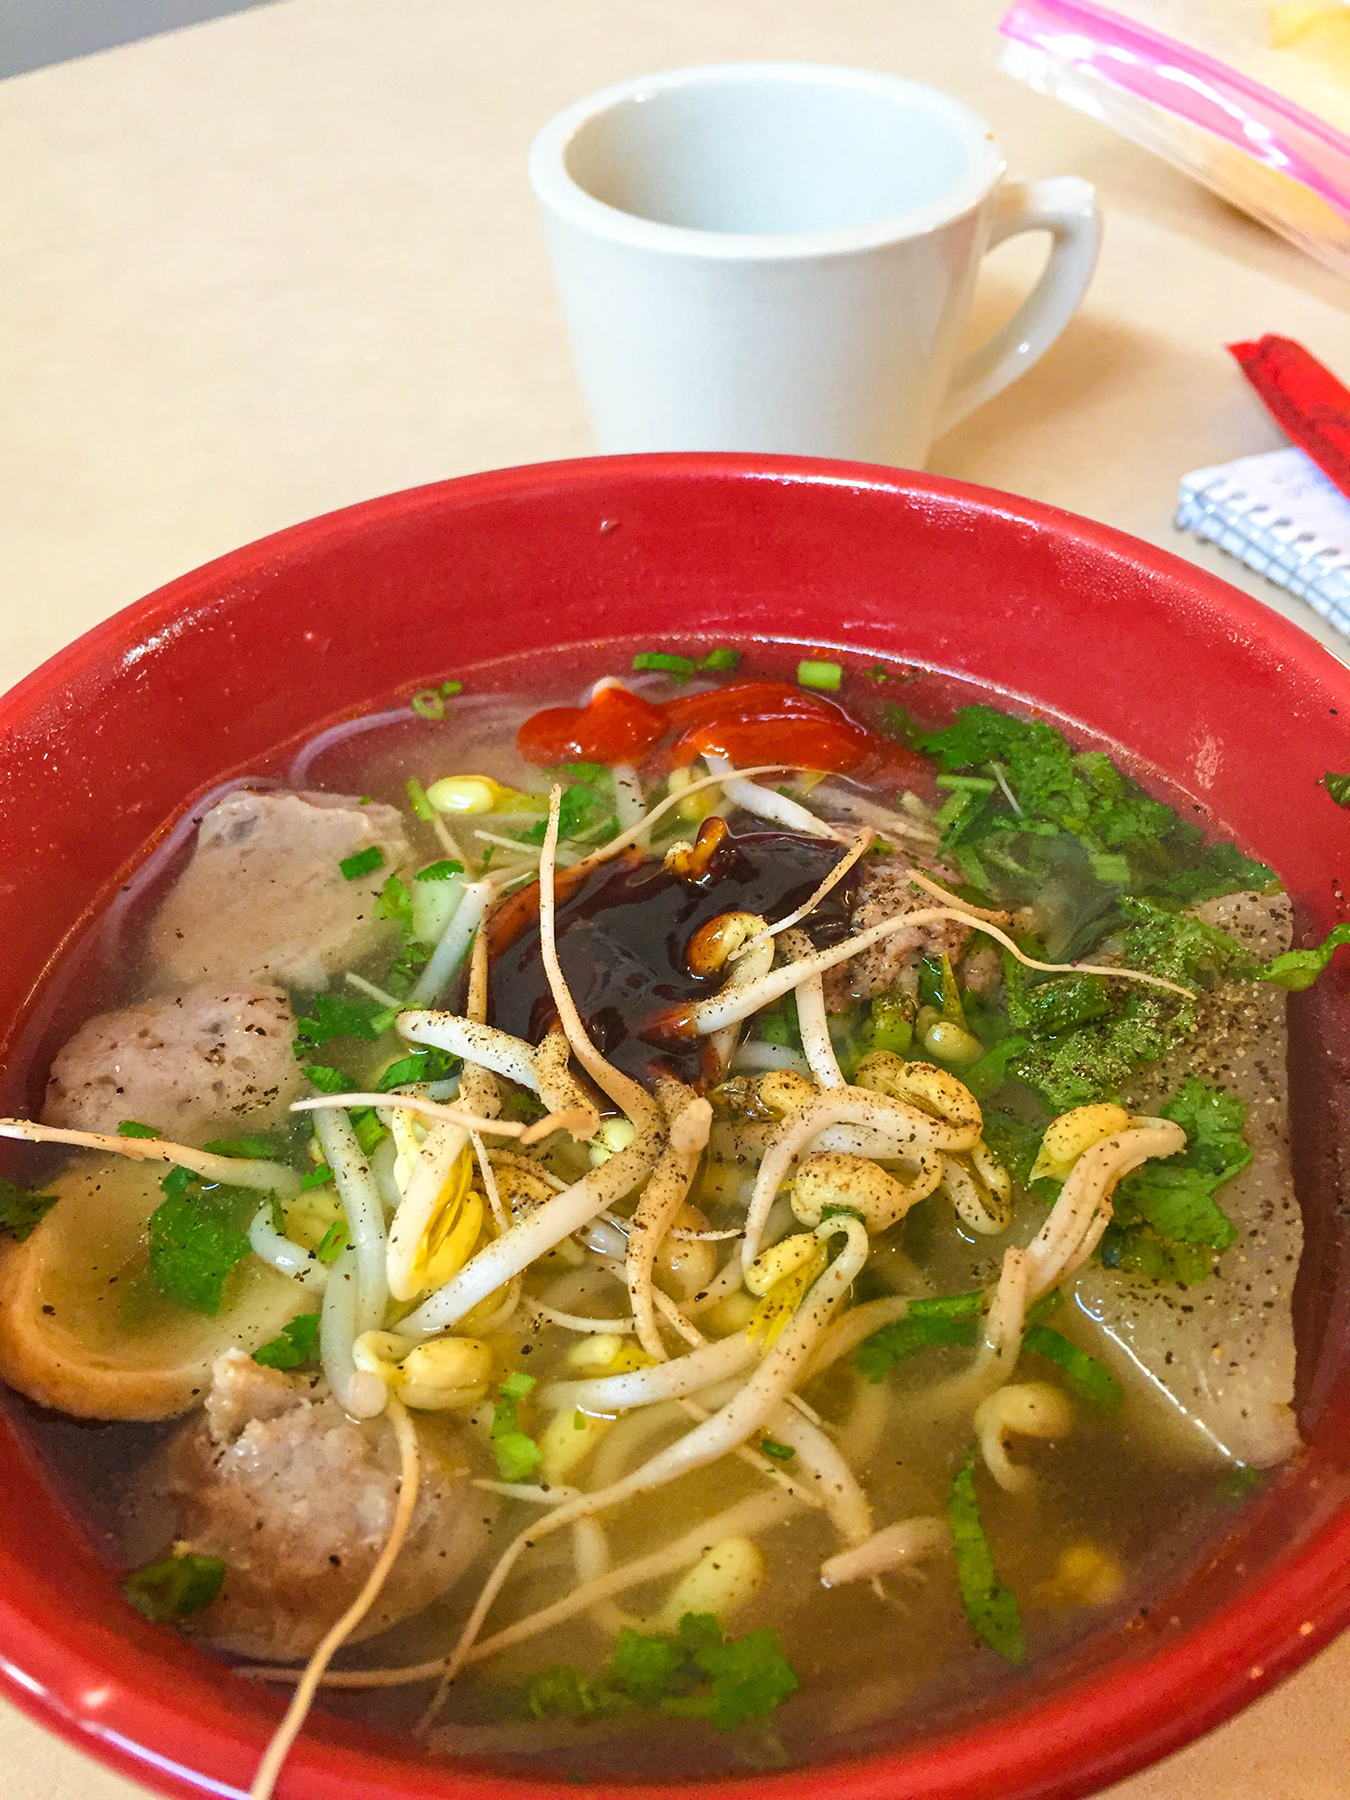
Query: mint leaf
944, 1320
336, 1016
990, 1606
297, 1346
1298, 969
197, 1238
175, 1588
1082, 1373
21, 1210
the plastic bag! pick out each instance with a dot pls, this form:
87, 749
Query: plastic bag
1253, 99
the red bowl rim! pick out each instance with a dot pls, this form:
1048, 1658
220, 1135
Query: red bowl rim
1095, 1730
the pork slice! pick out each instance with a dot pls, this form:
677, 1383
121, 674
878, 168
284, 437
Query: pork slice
297, 1499
213, 1056
1212, 1365
264, 897
884, 892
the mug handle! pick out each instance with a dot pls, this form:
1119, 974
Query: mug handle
1066, 207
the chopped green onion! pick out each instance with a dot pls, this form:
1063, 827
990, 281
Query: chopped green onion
681, 667
319, 1176
334, 1242
780, 1452
450, 688
516, 1386
876, 674
1338, 786
439, 871
720, 659
1111, 868
175, 1588
417, 799
134, 1129
383, 1021
978, 784
824, 675
516, 1452
362, 862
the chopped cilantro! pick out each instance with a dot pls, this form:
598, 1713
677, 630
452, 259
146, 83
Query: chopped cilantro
516, 1452
333, 1242
362, 862
439, 871
1298, 969
197, 1236
336, 1016
393, 902
694, 1673
990, 1606
1083, 1373
175, 1588
133, 1128
580, 810
21, 1210
1338, 786
1044, 787
681, 667
297, 1346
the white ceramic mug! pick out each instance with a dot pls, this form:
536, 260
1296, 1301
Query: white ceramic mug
781, 256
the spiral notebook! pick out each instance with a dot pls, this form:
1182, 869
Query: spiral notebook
1279, 514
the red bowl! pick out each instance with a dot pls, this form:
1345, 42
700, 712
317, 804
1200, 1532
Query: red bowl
1204, 688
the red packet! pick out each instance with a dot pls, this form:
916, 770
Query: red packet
1305, 399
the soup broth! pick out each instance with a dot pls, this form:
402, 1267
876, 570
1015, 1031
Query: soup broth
1021, 1404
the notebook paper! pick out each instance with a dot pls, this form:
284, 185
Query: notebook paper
1279, 514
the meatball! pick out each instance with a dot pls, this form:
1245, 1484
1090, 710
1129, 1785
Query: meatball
297, 1499
265, 897
213, 1056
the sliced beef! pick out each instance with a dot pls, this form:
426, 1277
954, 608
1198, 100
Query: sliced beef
297, 1499
264, 897
213, 1056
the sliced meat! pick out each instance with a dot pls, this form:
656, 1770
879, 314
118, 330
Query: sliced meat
297, 1500
264, 897
884, 893
214, 1056
1213, 1364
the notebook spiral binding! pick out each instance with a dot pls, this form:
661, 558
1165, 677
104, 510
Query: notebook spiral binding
1281, 516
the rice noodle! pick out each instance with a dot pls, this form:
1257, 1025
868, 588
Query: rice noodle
337, 734
764, 803
669, 1380
283, 1255
758, 1512
231, 1171
455, 939
149, 872
289, 1729
365, 1215
744, 1414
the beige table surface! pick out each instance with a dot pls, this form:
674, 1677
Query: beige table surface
283, 261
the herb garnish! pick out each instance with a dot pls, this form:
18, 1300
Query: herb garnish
990, 1606
517, 1453
362, 862
21, 1210
197, 1237
695, 1673
297, 1346
175, 1588
336, 1016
